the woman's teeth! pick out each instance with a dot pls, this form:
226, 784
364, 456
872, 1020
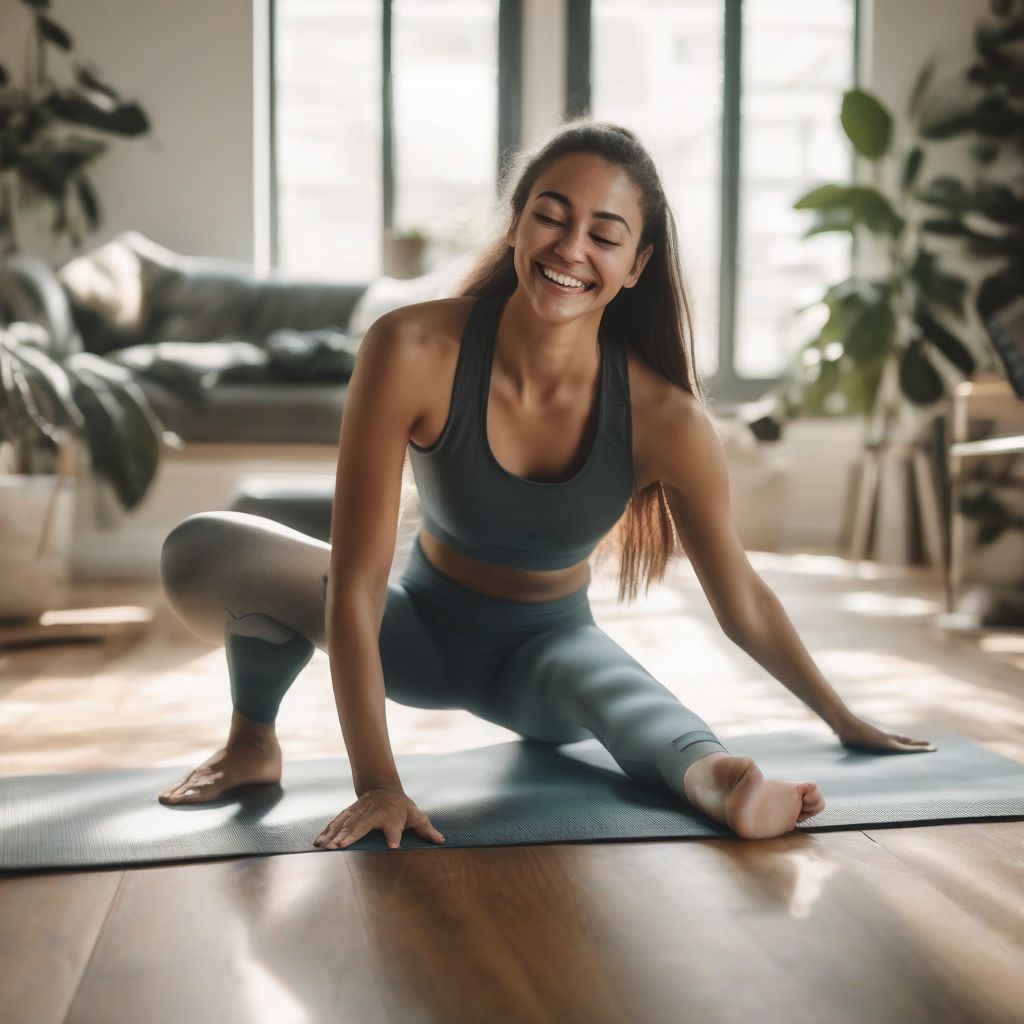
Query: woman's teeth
563, 280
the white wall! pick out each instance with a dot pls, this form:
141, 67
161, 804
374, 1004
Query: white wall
898, 36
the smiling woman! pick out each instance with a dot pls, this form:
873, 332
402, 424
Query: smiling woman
550, 406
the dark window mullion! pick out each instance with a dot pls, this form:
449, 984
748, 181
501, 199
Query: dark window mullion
510, 78
577, 58
272, 131
387, 153
730, 198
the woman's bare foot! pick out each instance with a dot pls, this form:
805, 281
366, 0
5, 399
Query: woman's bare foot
732, 790
251, 755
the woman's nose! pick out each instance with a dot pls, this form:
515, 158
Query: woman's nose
570, 246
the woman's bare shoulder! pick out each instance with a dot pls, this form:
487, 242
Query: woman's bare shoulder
652, 392
660, 408
437, 324
433, 329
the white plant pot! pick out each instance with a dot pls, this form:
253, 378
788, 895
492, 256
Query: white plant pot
34, 568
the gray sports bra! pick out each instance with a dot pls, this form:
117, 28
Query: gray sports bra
469, 501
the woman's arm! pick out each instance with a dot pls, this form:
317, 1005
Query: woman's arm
694, 473
382, 405
690, 462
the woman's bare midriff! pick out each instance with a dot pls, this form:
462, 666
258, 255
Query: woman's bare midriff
500, 581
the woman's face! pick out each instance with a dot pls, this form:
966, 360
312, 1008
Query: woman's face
581, 221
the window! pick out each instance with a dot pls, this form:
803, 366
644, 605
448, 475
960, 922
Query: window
739, 106
445, 73
797, 62
384, 118
657, 69
327, 117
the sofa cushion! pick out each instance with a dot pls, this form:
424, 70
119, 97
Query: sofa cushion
192, 370
132, 290
252, 413
387, 293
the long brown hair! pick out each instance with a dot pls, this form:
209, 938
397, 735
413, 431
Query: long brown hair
654, 316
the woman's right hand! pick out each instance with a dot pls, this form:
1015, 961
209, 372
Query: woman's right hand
386, 808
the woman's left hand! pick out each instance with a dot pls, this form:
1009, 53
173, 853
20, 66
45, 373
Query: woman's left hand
857, 734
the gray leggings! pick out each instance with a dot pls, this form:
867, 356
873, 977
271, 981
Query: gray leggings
542, 669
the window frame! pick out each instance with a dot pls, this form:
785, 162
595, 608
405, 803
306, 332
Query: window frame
509, 56
725, 385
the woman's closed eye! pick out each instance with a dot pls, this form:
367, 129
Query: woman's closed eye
550, 220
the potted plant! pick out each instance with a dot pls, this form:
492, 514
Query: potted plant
42, 157
900, 332
982, 213
52, 413
887, 329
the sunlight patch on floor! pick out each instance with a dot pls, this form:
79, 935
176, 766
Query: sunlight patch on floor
871, 603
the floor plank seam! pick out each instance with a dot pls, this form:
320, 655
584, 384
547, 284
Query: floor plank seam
95, 945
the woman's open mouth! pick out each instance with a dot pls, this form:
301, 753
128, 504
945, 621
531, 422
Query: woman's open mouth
555, 287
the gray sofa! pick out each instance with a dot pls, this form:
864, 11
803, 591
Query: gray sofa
222, 356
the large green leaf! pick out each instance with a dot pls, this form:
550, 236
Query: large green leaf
22, 424
997, 202
946, 191
867, 123
823, 197
53, 32
88, 200
949, 111
50, 387
920, 88
871, 335
842, 207
944, 340
998, 290
838, 218
123, 432
1008, 244
912, 166
919, 380
985, 151
847, 302
89, 80
948, 227
939, 289
78, 108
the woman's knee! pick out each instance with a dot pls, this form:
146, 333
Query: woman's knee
217, 566
193, 549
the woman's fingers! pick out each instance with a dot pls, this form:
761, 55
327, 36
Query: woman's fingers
429, 833
907, 741
383, 808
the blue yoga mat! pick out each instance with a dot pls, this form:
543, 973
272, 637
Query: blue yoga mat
508, 794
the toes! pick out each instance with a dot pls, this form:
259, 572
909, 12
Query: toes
201, 787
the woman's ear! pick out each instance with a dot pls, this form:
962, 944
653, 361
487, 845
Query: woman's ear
638, 265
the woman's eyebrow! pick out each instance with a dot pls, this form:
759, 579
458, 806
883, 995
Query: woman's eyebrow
565, 201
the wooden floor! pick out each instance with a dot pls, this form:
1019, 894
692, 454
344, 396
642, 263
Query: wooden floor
885, 925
